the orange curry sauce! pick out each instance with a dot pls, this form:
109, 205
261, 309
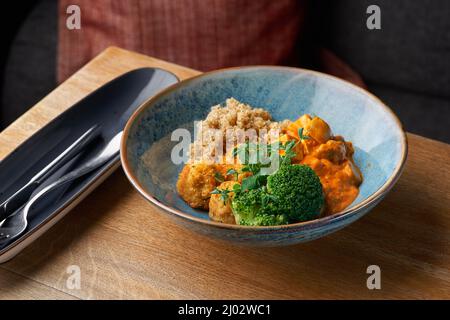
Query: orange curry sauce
331, 157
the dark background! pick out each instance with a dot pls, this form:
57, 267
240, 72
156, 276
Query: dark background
406, 63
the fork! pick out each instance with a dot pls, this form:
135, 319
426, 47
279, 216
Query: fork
16, 224
21, 196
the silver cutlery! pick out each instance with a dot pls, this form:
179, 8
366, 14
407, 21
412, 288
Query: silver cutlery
17, 223
21, 196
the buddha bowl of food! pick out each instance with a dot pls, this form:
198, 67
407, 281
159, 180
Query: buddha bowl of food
264, 155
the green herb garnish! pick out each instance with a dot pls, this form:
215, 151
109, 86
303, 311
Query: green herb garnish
258, 180
254, 182
289, 152
233, 172
219, 177
237, 188
223, 194
301, 136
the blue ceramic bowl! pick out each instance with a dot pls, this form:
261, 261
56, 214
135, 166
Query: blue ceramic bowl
380, 143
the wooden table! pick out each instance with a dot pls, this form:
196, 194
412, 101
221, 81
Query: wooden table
125, 250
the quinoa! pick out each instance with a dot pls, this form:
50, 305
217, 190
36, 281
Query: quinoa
225, 124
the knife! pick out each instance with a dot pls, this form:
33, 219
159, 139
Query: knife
15, 201
16, 224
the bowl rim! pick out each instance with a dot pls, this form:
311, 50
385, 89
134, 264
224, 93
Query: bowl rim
349, 211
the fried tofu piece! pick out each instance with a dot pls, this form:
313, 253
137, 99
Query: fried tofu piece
195, 183
220, 208
315, 128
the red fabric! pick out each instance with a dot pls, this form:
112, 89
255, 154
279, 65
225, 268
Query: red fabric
200, 34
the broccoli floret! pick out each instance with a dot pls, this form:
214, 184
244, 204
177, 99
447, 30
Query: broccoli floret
298, 192
293, 193
256, 208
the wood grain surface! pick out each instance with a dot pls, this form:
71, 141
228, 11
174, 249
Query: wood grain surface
126, 250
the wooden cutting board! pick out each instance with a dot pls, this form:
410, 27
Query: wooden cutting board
124, 249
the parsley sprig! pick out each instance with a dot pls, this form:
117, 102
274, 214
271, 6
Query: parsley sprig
249, 150
233, 172
219, 177
301, 136
224, 194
